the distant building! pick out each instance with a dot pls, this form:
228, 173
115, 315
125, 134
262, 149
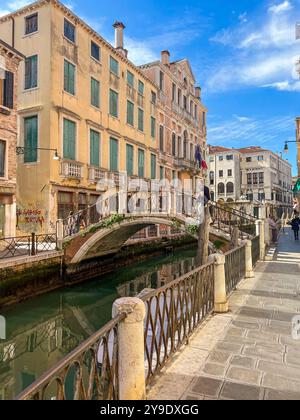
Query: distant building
9, 63
259, 177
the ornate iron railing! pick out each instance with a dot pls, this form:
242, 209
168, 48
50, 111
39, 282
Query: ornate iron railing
90, 372
235, 267
173, 313
27, 245
255, 250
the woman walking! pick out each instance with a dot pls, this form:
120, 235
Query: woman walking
296, 226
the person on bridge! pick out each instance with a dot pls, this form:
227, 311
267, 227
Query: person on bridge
296, 225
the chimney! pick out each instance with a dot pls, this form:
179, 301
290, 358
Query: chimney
198, 92
165, 58
119, 38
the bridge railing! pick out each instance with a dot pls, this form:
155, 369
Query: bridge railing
235, 267
90, 372
29, 245
173, 312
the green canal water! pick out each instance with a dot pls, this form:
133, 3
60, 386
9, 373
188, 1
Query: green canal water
41, 331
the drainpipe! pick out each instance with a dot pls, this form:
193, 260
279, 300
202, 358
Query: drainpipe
13, 32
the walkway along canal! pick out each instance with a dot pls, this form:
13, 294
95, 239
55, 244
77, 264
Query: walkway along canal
41, 331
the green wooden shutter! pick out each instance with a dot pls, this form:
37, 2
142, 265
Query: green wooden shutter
153, 167
69, 140
30, 139
94, 148
141, 88
130, 113
129, 159
31, 72
141, 120
95, 93
69, 78
113, 103
114, 151
130, 78
153, 127
141, 163
114, 66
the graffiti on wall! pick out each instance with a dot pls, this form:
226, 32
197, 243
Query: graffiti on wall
30, 217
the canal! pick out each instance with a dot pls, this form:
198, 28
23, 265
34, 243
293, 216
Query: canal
41, 331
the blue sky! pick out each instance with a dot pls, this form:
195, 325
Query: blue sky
243, 53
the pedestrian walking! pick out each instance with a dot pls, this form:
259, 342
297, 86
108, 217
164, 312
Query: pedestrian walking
296, 226
71, 224
273, 227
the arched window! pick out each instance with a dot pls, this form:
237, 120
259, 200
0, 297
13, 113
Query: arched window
212, 178
221, 188
230, 188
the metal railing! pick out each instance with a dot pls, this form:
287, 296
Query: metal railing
27, 245
173, 313
255, 250
90, 372
235, 267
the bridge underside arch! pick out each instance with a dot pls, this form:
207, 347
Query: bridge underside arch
108, 241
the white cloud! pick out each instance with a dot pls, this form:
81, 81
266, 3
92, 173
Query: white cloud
281, 8
285, 86
4, 12
242, 119
17, 4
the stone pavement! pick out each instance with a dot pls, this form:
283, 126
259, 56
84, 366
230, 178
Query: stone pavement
249, 353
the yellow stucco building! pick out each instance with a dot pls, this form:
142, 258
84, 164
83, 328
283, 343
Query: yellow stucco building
80, 96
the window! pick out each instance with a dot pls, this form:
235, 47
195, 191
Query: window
130, 113
173, 92
174, 144
129, 159
114, 66
221, 174
30, 139
69, 138
95, 51
249, 159
229, 172
221, 158
229, 157
2, 158
153, 127
7, 89
211, 159
113, 103
230, 188
161, 80
65, 204
249, 179
114, 155
141, 88
69, 77
31, 66
260, 158
192, 108
161, 172
261, 178
95, 92
94, 148
179, 97
31, 24
141, 163
255, 178
130, 79
153, 166
212, 178
184, 102
69, 30
141, 119
153, 97
261, 196
221, 188
161, 138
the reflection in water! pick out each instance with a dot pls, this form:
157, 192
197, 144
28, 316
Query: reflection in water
41, 331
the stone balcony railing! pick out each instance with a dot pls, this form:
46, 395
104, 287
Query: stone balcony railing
186, 164
71, 170
96, 174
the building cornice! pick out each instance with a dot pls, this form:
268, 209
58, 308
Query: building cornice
10, 51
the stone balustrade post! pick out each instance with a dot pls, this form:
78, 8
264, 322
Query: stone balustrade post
262, 241
131, 362
249, 262
60, 234
221, 302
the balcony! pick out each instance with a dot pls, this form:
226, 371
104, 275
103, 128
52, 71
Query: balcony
186, 165
185, 114
71, 170
96, 174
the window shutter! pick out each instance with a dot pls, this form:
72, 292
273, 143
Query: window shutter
141, 163
129, 159
153, 167
30, 139
114, 155
94, 148
8, 96
69, 139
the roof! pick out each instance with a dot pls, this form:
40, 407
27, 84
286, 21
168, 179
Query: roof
252, 149
36, 5
12, 50
218, 149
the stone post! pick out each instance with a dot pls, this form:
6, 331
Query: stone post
249, 263
60, 234
221, 302
262, 243
257, 228
132, 385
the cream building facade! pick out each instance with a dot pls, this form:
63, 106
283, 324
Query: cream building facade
82, 98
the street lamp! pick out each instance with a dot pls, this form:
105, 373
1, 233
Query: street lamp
23, 150
286, 146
